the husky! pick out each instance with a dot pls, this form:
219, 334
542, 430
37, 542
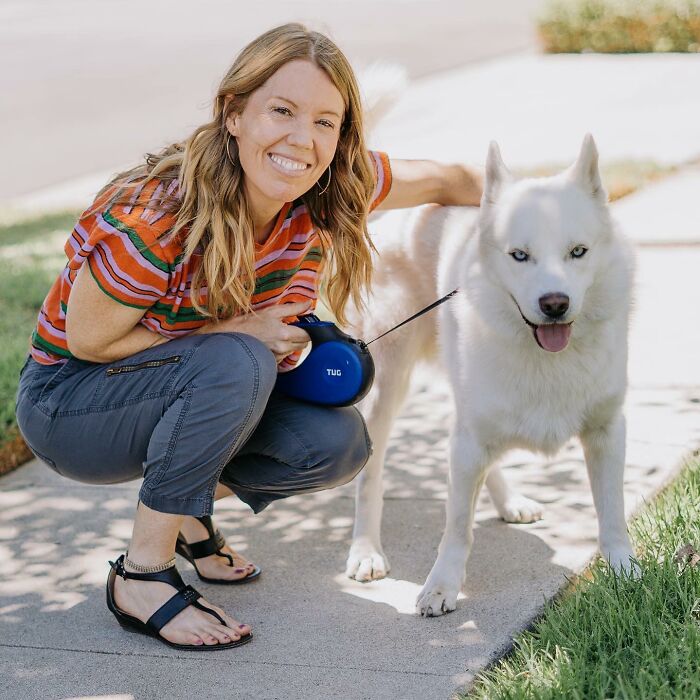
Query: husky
534, 344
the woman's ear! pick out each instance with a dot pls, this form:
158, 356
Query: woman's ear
232, 123
232, 118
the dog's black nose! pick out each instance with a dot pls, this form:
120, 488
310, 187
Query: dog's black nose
554, 305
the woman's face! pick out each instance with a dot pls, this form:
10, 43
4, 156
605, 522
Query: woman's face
287, 135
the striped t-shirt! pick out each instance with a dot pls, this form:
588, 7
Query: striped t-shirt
128, 258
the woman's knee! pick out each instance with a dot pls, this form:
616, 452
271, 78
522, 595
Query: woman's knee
227, 357
348, 448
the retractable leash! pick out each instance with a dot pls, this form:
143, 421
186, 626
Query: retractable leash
339, 370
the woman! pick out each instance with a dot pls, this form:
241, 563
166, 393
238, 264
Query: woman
157, 349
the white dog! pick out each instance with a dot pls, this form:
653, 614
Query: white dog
534, 344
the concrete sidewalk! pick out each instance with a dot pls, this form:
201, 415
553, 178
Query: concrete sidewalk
318, 634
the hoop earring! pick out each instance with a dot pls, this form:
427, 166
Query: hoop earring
228, 152
328, 183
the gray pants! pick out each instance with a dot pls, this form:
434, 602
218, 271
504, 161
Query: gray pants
186, 415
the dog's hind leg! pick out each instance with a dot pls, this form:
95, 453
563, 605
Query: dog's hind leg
513, 507
394, 363
469, 463
604, 449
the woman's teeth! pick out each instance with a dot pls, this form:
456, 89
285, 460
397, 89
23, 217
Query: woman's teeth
286, 163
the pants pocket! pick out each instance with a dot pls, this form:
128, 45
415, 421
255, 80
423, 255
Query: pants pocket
123, 369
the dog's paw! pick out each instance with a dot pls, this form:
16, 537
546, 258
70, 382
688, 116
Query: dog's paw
436, 600
520, 509
620, 560
366, 564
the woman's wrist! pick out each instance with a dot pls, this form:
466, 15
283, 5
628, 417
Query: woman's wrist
214, 327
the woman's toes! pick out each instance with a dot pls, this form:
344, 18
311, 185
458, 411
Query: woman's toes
222, 634
226, 634
209, 638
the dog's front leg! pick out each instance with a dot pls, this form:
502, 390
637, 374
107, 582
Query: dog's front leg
366, 560
468, 467
604, 449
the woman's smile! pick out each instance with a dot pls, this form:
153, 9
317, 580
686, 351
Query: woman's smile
288, 166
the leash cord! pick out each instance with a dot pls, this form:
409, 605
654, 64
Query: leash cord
420, 313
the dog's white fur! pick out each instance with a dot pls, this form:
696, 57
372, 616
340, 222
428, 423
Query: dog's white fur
509, 392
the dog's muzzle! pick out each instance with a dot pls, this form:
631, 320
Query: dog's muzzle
552, 337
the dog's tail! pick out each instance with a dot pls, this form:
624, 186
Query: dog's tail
381, 85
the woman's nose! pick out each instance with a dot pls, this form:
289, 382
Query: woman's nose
300, 136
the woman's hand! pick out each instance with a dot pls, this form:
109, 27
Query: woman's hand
267, 326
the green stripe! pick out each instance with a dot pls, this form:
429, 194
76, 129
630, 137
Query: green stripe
277, 279
49, 347
109, 294
64, 308
140, 244
179, 315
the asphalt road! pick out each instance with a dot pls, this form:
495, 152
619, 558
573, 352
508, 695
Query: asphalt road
88, 86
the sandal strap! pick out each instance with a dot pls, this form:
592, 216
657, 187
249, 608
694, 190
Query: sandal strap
171, 607
170, 576
184, 596
211, 545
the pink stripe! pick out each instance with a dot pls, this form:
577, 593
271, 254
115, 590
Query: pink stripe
53, 332
77, 240
132, 250
39, 353
302, 237
120, 288
127, 209
307, 288
141, 286
154, 324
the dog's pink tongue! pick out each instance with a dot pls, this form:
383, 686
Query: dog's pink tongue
554, 336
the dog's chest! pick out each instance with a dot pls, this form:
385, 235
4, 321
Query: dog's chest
530, 405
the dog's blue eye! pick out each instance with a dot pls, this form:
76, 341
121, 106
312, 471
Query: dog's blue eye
579, 251
520, 255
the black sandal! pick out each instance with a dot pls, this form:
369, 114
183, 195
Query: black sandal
186, 595
205, 548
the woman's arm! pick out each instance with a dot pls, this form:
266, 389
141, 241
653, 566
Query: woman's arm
100, 329
415, 182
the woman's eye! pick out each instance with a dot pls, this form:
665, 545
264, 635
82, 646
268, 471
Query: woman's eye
579, 251
519, 255
286, 111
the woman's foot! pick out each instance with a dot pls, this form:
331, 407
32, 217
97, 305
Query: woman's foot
190, 626
215, 566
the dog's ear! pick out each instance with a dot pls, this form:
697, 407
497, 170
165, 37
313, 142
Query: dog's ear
496, 174
585, 170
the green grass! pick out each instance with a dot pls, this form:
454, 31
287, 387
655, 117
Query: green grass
620, 26
614, 636
25, 278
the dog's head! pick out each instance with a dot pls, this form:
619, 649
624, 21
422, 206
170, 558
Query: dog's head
541, 240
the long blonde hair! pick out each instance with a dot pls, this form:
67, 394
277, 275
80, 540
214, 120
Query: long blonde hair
212, 209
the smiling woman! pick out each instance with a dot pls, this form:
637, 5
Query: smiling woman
157, 348
287, 138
